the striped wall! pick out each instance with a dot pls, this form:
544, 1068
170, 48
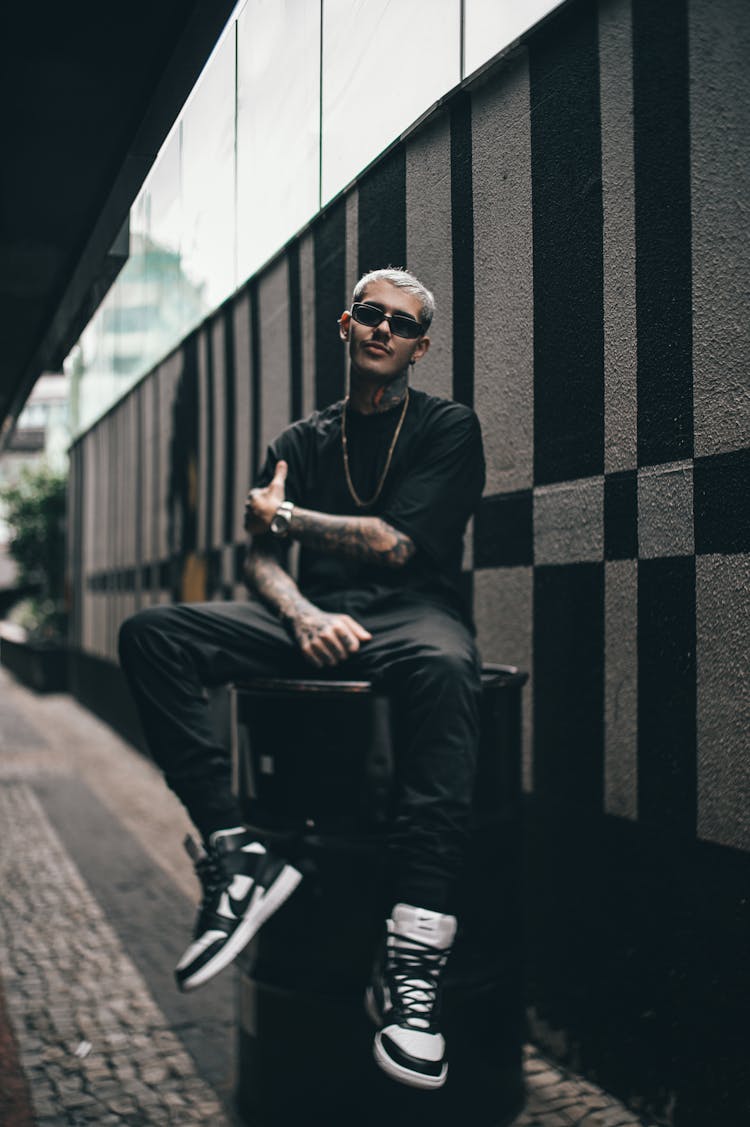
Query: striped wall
578, 210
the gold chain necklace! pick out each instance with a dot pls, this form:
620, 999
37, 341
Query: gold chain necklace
355, 496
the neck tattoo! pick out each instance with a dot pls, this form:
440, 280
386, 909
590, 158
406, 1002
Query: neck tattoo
390, 394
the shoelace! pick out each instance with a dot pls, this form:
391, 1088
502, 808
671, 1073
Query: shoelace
211, 873
413, 972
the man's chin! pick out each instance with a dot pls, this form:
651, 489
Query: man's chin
374, 368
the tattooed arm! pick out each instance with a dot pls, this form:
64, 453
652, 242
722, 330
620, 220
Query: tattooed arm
324, 639
360, 538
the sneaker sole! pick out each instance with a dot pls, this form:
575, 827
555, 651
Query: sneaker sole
405, 1075
280, 890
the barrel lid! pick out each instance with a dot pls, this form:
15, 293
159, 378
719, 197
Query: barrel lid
492, 675
301, 685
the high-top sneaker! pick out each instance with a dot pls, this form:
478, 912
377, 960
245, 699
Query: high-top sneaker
243, 884
404, 997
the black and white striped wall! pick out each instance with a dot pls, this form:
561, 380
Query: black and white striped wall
578, 210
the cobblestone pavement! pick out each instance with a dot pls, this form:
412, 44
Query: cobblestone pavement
556, 1098
92, 1040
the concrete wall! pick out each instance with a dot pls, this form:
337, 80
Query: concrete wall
579, 213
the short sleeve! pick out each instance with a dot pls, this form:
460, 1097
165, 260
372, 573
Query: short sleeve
443, 487
267, 470
288, 447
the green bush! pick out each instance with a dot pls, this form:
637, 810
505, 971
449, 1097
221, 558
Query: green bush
35, 512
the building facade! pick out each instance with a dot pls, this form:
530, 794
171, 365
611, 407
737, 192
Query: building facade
577, 208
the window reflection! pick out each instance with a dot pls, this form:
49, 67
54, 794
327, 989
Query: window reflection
170, 302
208, 223
384, 63
491, 25
278, 125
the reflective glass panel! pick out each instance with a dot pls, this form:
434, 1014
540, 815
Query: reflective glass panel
208, 226
96, 385
395, 60
278, 117
491, 25
171, 303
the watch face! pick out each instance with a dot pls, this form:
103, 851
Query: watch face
282, 519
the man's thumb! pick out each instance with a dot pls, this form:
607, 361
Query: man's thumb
281, 471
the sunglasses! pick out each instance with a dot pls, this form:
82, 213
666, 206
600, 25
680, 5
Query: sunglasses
399, 324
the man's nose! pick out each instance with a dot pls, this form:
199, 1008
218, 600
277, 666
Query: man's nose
384, 325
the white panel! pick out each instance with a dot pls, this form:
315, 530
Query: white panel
208, 207
278, 125
389, 59
492, 25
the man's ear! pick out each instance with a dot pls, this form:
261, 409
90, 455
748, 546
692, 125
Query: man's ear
345, 321
423, 345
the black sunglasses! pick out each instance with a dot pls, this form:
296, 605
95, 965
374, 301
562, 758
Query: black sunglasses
399, 324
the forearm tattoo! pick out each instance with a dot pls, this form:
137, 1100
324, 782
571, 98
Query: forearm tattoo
359, 538
265, 575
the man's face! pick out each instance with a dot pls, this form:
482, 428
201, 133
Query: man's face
375, 351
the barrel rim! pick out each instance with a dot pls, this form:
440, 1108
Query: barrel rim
493, 673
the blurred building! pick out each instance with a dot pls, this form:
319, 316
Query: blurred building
143, 315
41, 435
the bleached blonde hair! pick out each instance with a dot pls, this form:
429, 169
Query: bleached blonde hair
404, 281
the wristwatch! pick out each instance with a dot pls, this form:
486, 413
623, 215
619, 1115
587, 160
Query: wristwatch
282, 519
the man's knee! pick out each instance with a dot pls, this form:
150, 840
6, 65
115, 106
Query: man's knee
448, 666
138, 627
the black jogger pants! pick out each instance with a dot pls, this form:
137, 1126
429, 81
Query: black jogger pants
421, 654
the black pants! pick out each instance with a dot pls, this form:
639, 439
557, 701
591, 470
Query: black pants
422, 655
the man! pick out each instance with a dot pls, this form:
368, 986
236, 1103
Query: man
377, 489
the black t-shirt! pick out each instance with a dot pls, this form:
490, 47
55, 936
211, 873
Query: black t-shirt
433, 486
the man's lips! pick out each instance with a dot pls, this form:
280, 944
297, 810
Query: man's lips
376, 346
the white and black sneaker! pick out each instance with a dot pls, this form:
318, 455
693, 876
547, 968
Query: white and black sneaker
404, 996
243, 884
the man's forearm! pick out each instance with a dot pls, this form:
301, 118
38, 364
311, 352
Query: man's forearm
359, 538
265, 575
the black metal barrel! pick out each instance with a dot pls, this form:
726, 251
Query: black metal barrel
314, 768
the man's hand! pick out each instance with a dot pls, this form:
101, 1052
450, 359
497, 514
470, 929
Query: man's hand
327, 639
324, 639
261, 504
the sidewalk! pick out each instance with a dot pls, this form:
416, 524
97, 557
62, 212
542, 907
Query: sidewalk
97, 905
